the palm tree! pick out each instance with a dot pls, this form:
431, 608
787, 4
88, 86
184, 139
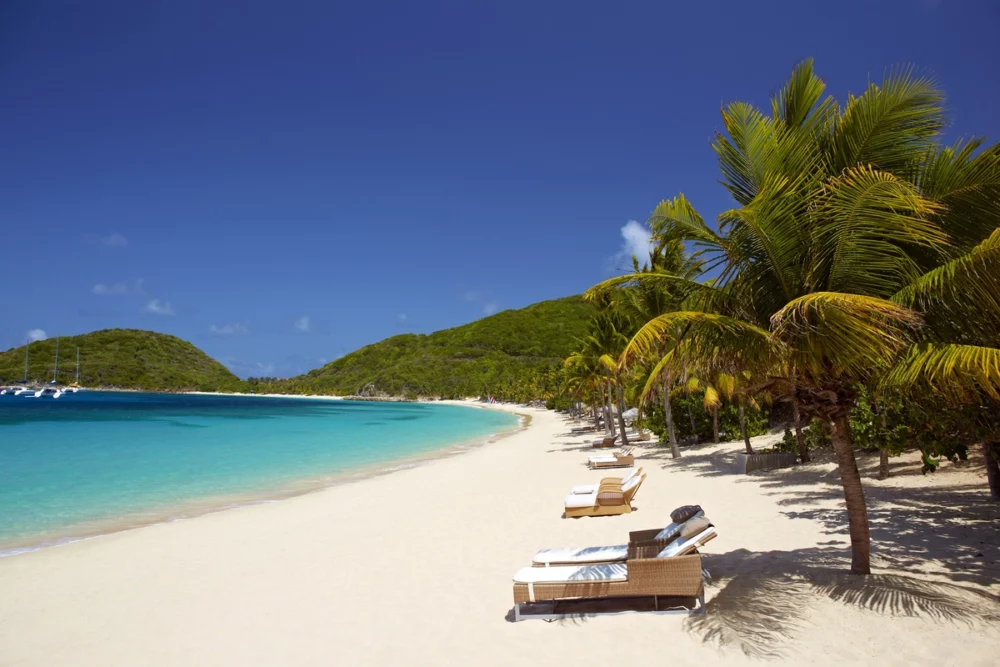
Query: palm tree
643, 295
837, 270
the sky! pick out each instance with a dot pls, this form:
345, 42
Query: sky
283, 182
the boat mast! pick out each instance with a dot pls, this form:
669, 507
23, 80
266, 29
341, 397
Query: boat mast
77, 365
27, 344
55, 371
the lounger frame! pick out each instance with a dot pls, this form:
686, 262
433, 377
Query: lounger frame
610, 502
677, 577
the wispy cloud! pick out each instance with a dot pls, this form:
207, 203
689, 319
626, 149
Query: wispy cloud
401, 317
490, 308
114, 240
36, 334
303, 325
157, 307
234, 329
636, 242
105, 289
112, 288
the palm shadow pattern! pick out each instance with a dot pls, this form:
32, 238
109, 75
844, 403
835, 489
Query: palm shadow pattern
938, 549
762, 599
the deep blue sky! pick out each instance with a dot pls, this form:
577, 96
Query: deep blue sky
221, 170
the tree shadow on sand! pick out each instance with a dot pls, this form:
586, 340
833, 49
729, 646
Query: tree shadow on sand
761, 606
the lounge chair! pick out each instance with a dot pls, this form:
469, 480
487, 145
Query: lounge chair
605, 501
620, 459
538, 591
605, 482
608, 441
658, 539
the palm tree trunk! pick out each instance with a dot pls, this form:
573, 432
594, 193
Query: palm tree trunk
743, 428
883, 453
854, 495
992, 468
799, 437
668, 415
621, 412
715, 424
604, 408
694, 427
610, 420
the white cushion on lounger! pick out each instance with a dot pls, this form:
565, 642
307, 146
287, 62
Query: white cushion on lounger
680, 546
585, 488
673, 528
582, 555
559, 575
629, 485
576, 500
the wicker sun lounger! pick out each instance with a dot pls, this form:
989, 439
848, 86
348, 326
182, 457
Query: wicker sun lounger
667, 541
608, 441
606, 501
539, 591
622, 459
583, 489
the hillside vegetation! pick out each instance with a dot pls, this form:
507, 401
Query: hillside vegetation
124, 358
513, 354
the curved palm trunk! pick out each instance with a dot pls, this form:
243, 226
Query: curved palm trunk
610, 419
992, 468
715, 425
854, 495
604, 408
694, 427
743, 428
675, 451
621, 412
799, 436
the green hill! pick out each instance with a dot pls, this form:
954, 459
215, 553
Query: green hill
126, 358
512, 354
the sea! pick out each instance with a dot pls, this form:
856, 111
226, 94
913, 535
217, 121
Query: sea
93, 463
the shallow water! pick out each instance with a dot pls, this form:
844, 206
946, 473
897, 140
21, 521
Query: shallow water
95, 462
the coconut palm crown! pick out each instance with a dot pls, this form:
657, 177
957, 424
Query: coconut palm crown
860, 253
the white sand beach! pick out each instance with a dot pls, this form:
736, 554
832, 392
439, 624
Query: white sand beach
414, 568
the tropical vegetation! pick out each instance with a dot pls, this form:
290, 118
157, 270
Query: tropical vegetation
120, 358
513, 355
858, 270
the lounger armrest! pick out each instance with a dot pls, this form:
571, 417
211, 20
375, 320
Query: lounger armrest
680, 576
643, 535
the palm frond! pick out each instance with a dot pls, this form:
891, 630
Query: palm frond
836, 335
957, 371
866, 223
886, 125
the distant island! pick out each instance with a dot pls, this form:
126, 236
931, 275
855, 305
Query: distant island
121, 359
514, 355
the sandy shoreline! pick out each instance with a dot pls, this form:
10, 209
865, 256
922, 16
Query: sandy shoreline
414, 567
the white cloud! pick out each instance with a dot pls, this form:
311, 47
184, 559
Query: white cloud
235, 329
114, 288
114, 240
157, 307
302, 324
104, 289
36, 334
490, 308
636, 242
401, 317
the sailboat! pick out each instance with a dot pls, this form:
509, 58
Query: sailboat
52, 391
75, 387
24, 388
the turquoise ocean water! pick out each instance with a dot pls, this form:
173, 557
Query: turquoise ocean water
96, 462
